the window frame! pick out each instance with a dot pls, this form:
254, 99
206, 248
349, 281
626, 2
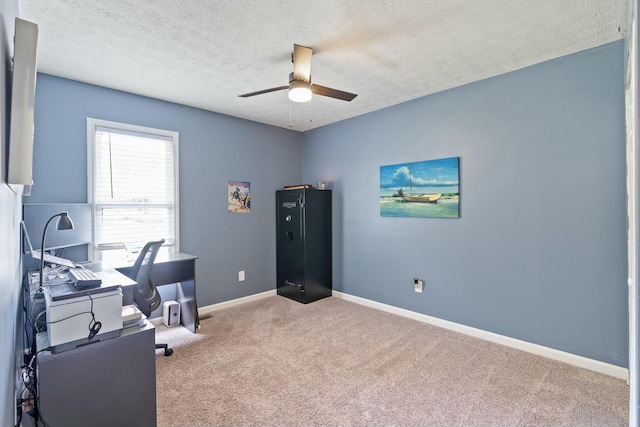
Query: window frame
92, 126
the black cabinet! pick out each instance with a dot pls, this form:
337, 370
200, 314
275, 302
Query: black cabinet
304, 244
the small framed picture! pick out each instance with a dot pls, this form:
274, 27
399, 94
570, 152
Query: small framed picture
239, 197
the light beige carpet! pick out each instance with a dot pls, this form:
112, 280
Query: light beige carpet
276, 362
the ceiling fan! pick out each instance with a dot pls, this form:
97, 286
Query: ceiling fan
300, 86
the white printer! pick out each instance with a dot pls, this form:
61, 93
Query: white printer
73, 315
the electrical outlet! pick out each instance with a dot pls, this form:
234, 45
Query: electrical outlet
418, 285
241, 276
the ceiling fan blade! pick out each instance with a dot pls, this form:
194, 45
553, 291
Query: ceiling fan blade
332, 93
302, 62
260, 92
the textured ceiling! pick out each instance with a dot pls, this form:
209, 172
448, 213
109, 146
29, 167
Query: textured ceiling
204, 53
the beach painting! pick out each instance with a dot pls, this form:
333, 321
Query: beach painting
427, 189
239, 197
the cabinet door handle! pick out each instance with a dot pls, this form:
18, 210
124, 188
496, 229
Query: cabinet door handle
290, 235
299, 286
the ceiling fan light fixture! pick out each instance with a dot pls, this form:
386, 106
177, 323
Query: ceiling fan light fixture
299, 91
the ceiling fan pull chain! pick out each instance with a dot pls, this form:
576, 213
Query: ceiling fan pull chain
290, 123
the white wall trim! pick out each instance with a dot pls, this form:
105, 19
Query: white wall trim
203, 311
208, 309
572, 359
631, 101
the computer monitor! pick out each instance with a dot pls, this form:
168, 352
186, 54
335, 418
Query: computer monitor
23, 90
36, 215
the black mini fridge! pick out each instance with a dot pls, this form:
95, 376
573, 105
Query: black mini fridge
304, 266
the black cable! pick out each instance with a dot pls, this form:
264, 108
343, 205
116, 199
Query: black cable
26, 296
36, 395
94, 326
31, 383
91, 322
21, 401
37, 319
33, 298
28, 375
39, 415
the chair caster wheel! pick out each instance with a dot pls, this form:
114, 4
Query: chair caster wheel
168, 352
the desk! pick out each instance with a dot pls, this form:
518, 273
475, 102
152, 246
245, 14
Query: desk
178, 268
109, 275
105, 384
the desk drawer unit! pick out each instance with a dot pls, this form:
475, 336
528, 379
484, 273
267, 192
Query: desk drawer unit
105, 384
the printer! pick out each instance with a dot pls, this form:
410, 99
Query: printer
72, 315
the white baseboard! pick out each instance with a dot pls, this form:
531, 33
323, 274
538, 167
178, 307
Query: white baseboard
562, 356
203, 311
572, 359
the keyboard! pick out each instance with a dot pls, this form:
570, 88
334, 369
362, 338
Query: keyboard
84, 278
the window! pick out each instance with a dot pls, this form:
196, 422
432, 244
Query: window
133, 187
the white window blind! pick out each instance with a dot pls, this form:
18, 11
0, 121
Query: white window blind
134, 185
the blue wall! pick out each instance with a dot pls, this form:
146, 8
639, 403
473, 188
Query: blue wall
539, 252
214, 149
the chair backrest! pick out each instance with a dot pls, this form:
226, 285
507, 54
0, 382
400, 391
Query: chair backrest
145, 295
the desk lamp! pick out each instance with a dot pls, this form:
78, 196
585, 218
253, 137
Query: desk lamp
64, 223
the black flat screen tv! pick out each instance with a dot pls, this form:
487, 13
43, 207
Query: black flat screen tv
23, 92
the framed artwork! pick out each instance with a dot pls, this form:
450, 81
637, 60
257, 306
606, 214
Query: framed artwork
427, 189
239, 197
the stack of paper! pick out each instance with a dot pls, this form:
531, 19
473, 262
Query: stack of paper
132, 316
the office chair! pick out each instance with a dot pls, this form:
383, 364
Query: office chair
145, 294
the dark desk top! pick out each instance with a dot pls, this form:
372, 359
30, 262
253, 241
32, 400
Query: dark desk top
175, 256
161, 258
169, 268
109, 275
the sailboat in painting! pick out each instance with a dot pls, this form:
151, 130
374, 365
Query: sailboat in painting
420, 198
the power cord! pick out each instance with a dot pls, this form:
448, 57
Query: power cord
94, 325
31, 388
29, 400
28, 396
